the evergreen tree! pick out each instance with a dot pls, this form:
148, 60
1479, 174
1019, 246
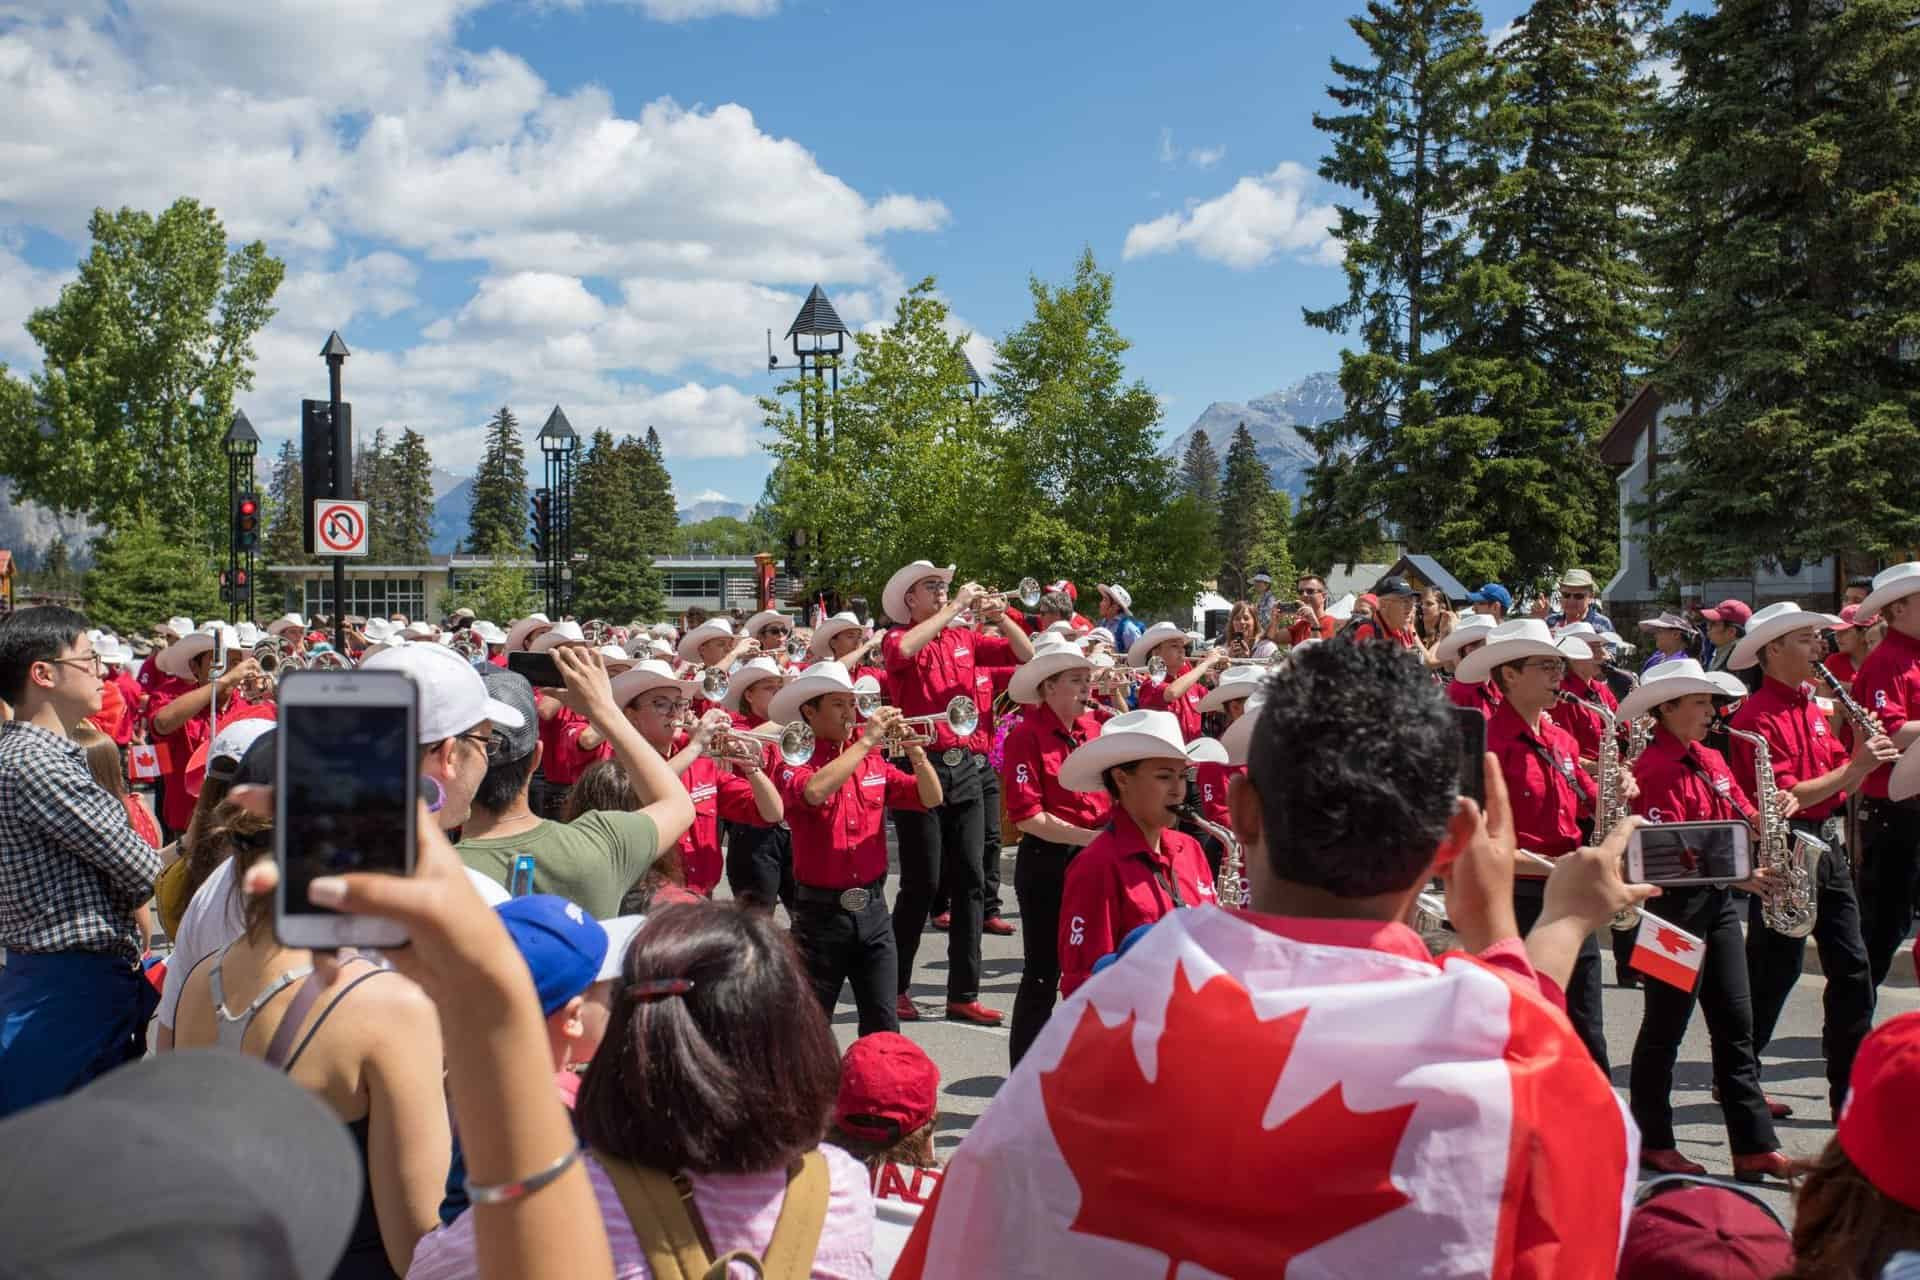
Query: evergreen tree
616, 581
1200, 472
410, 493
499, 515
143, 574
658, 508
373, 484
56, 570
1274, 551
284, 539
1245, 508
1791, 226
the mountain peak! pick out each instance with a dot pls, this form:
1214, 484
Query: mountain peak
1274, 421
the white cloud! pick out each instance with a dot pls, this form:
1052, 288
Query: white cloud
1259, 217
708, 495
687, 10
24, 289
1198, 157
1206, 157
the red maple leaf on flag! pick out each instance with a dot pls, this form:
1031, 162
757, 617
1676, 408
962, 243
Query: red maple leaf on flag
1182, 1165
1671, 942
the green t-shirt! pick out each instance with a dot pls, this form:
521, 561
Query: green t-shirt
592, 861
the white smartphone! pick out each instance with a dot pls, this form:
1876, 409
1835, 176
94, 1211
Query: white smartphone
346, 786
1690, 853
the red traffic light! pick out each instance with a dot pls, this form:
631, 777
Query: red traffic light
249, 507
239, 577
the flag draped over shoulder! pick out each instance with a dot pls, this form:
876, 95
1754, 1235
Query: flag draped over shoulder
1227, 1101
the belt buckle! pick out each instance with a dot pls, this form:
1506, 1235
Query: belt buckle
855, 899
952, 756
1834, 831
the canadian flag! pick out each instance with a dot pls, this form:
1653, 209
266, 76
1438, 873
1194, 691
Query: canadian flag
143, 763
1228, 1101
1667, 952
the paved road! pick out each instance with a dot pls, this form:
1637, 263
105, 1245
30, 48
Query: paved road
973, 1060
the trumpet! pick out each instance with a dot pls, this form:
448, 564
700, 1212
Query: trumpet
329, 660
467, 646
1028, 593
274, 656
867, 697
796, 648
794, 740
713, 683
961, 716
597, 631
1111, 680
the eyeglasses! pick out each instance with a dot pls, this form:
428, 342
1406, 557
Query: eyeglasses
661, 708
91, 661
771, 630
1552, 666
492, 743
1313, 591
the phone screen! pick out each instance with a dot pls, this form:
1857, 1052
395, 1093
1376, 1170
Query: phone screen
347, 771
1473, 751
537, 669
1706, 852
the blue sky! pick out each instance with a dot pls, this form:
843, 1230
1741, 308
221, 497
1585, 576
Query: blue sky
605, 203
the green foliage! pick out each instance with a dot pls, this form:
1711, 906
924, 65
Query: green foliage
283, 541
1274, 550
720, 536
1787, 251
499, 515
143, 574
500, 592
1200, 471
410, 501
1244, 509
617, 580
142, 358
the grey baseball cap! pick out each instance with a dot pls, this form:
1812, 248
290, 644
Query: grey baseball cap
513, 690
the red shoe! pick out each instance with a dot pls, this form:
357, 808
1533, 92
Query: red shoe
994, 924
1778, 1110
1758, 1168
943, 921
1669, 1161
975, 1012
905, 1009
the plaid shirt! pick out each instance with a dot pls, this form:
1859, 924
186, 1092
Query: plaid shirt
72, 870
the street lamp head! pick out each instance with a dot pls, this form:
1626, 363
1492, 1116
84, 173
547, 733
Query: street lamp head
335, 348
817, 322
974, 379
242, 440
558, 435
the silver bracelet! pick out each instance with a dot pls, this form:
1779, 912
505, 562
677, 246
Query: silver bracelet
506, 1191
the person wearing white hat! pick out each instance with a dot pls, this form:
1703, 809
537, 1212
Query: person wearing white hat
1468, 634
493, 638
1140, 866
1809, 761
179, 719
930, 663
1889, 686
1672, 634
522, 632
759, 855
1115, 620
1582, 690
770, 629
1228, 700
121, 697
1681, 779
836, 804
1178, 689
846, 640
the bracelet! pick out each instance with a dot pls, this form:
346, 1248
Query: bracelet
506, 1191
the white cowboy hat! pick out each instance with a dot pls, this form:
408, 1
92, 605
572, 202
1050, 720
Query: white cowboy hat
1061, 628
1157, 634
286, 622
1235, 683
418, 631
711, 629
1584, 632
112, 651
1134, 735
179, 628
822, 644
1342, 609
1676, 678
1051, 656
1207, 751
487, 633
818, 679
1116, 593
1237, 737
762, 618
177, 658
1668, 622
1904, 782
521, 633
644, 677
1900, 581
378, 630
1516, 640
1470, 628
249, 635
1768, 625
618, 659
559, 633
748, 675
893, 601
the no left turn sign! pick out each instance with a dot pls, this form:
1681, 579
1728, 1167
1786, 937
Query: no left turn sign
339, 527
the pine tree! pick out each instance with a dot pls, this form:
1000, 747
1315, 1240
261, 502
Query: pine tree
142, 573
616, 581
499, 515
1245, 508
1200, 472
284, 541
1792, 223
410, 491
654, 494
55, 568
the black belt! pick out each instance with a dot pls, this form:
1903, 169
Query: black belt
855, 899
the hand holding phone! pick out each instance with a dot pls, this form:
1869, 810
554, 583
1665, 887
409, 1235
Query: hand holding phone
1690, 853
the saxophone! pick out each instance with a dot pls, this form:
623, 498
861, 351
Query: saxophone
1792, 857
1230, 885
1612, 808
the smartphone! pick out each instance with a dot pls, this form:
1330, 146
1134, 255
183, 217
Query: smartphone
346, 786
520, 878
1473, 753
1688, 853
540, 670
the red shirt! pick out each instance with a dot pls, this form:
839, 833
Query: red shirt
159, 689
564, 760
1686, 782
1186, 709
1116, 884
716, 794
842, 842
141, 820
498, 659
113, 718
1301, 628
132, 696
1030, 769
1372, 630
1585, 726
942, 671
1889, 686
1842, 668
1213, 779
1483, 697
1800, 743
1545, 783
176, 808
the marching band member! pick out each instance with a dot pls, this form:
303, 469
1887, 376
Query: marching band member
524, 631
990, 680
494, 639
846, 640
1228, 699
1850, 646
1120, 625
1467, 635
770, 629
712, 644
836, 804
1179, 690
759, 856
1808, 762
928, 665
1583, 682
1054, 821
1680, 779
1547, 788
1140, 866
1889, 686
562, 760
291, 629
179, 718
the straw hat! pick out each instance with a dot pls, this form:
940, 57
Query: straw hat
893, 600
1770, 624
1677, 678
1516, 640
1134, 735
1051, 655
819, 679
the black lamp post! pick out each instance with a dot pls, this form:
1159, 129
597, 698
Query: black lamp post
814, 358
974, 380
242, 444
559, 443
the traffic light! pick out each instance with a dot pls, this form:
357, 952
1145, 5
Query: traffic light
246, 523
233, 587
540, 532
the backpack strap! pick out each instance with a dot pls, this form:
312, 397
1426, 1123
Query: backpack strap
803, 1215
667, 1225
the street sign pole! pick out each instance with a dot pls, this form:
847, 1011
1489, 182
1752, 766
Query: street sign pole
336, 356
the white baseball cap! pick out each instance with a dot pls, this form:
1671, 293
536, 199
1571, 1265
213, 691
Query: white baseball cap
453, 698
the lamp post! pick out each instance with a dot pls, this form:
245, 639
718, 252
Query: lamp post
242, 444
816, 361
558, 444
974, 380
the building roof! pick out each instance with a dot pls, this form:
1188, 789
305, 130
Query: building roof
1616, 447
1353, 579
1428, 572
817, 316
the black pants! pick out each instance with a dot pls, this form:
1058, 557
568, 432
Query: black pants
1890, 868
1039, 877
1722, 991
760, 864
1583, 988
991, 905
943, 844
1773, 966
842, 946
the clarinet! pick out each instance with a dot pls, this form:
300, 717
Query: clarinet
1864, 721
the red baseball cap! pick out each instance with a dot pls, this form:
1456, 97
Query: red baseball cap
1731, 612
889, 1087
1704, 1232
1881, 1117
1370, 600
1850, 619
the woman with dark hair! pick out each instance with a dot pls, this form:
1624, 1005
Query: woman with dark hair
605, 787
1434, 619
719, 1071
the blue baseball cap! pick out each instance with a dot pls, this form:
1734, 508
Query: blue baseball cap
1492, 593
562, 945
